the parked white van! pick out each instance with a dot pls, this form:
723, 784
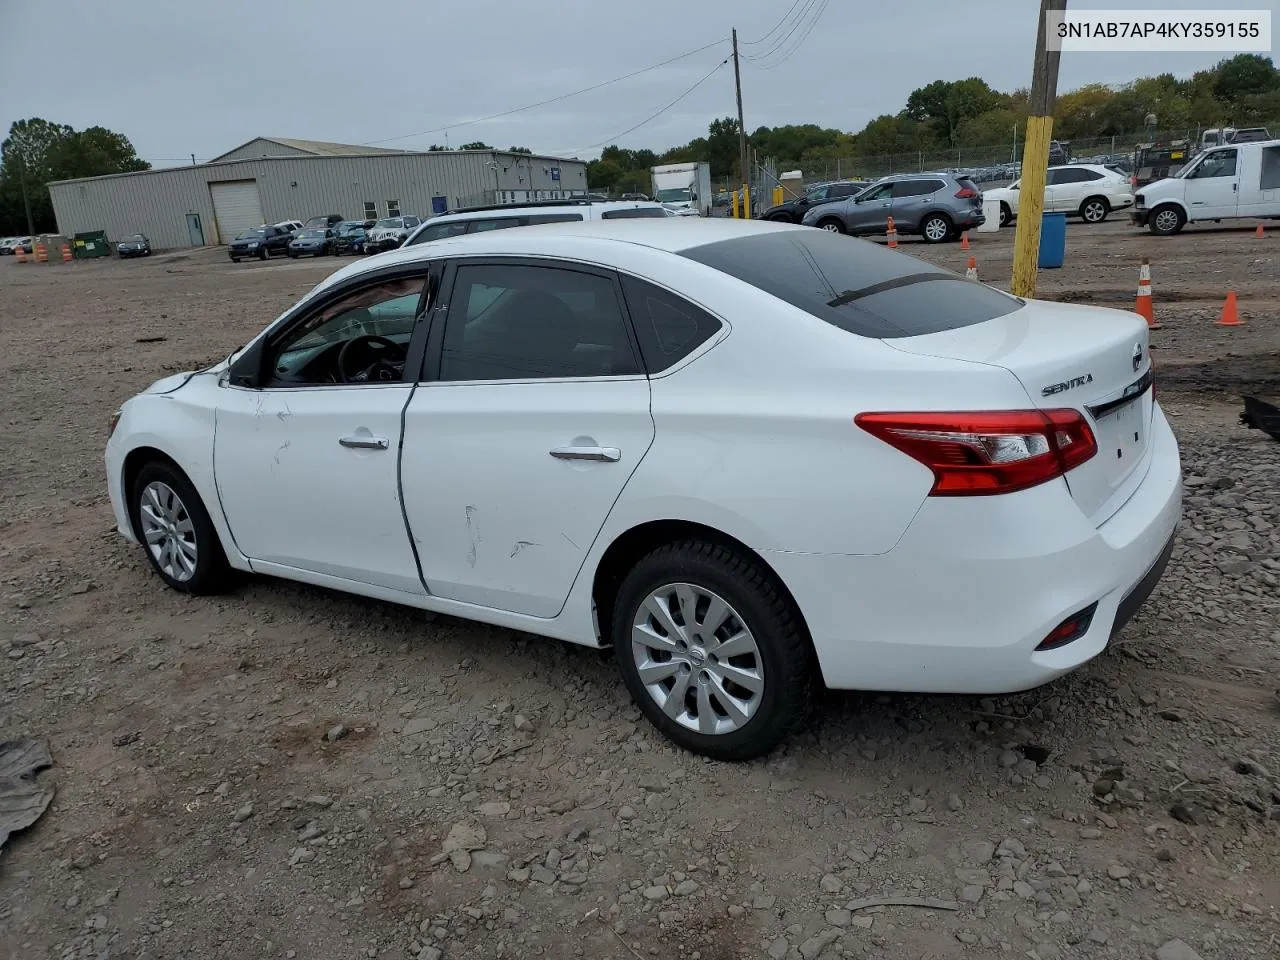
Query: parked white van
1225, 183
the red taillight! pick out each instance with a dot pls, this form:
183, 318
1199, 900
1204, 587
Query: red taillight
1133, 181
1070, 629
966, 193
988, 451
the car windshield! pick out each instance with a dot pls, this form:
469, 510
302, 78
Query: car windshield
393, 222
252, 234
136, 238
313, 234
674, 195
859, 287
348, 228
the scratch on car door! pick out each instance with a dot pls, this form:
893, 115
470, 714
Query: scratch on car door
473, 531
520, 545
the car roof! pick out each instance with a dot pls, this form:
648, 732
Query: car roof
571, 239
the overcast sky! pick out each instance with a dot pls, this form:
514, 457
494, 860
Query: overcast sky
202, 76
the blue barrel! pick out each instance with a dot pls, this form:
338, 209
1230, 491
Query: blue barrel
1053, 240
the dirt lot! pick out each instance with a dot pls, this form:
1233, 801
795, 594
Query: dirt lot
201, 812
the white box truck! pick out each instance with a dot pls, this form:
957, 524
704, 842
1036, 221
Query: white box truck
1241, 180
684, 188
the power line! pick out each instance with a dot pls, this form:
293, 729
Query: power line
618, 136
786, 16
782, 40
800, 40
543, 103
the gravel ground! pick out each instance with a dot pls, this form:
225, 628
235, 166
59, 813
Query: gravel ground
288, 772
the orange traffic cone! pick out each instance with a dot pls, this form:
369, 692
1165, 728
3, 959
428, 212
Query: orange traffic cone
1144, 307
66, 253
42, 253
972, 272
1259, 233
1230, 313
964, 240
20, 253
891, 232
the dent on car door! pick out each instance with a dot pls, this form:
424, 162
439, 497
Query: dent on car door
305, 452
533, 416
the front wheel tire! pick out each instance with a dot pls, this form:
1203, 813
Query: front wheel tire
712, 651
176, 533
1166, 221
1006, 214
831, 225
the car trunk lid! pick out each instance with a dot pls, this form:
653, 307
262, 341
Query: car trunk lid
1089, 359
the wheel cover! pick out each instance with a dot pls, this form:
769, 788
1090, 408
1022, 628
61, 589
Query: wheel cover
935, 229
830, 227
167, 529
697, 659
1166, 220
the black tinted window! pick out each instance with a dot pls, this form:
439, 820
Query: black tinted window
553, 218
668, 327
856, 285
631, 214
513, 322
916, 188
438, 231
842, 190
479, 226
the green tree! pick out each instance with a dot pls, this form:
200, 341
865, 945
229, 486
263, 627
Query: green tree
518, 150
476, 145
1246, 74
38, 151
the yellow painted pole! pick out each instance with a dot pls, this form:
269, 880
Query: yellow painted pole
733, 204
746, 201
1035, 158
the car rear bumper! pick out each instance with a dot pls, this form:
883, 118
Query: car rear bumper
960, 604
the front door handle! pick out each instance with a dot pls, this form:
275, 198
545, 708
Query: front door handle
606, 454
364, 442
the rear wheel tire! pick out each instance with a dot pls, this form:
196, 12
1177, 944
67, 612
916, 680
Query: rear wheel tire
1006, 214
177, 535
1166, 221
1094, 210
831, 225
935, 228
235, 259
263, 253
712, 651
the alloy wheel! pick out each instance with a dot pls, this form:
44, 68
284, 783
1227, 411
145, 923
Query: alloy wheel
697, 659
168, 531
1166, 221
936, 229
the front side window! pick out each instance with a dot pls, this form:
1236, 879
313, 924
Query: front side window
439, 231
816, 194
362, 337
519, 322
1219, 163
883, 192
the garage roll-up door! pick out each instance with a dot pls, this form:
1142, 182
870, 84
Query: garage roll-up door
236, 206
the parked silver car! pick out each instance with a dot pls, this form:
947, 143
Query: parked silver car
937, 206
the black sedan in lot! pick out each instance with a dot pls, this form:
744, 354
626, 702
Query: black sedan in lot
312, 242
349, 237
133, 246
793, 211
260, 242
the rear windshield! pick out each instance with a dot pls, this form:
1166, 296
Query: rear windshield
856, 285
634, 212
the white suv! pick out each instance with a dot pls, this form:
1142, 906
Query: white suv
1087, 190
501, 216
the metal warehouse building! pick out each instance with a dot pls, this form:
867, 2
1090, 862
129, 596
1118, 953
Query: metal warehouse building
270, 179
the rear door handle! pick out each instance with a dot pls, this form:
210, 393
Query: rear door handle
606, 454
364, 443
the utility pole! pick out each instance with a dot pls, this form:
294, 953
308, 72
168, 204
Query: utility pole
742, 129
26, 200
193, 159
1035, 157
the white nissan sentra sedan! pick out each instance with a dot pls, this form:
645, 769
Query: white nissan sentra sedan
750, 457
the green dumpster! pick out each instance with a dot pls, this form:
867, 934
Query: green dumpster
92, 244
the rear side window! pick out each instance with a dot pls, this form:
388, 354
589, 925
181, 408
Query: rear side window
479, 226
633, 213
552, 218
916, 188
858, 286
668, 327
438, 231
